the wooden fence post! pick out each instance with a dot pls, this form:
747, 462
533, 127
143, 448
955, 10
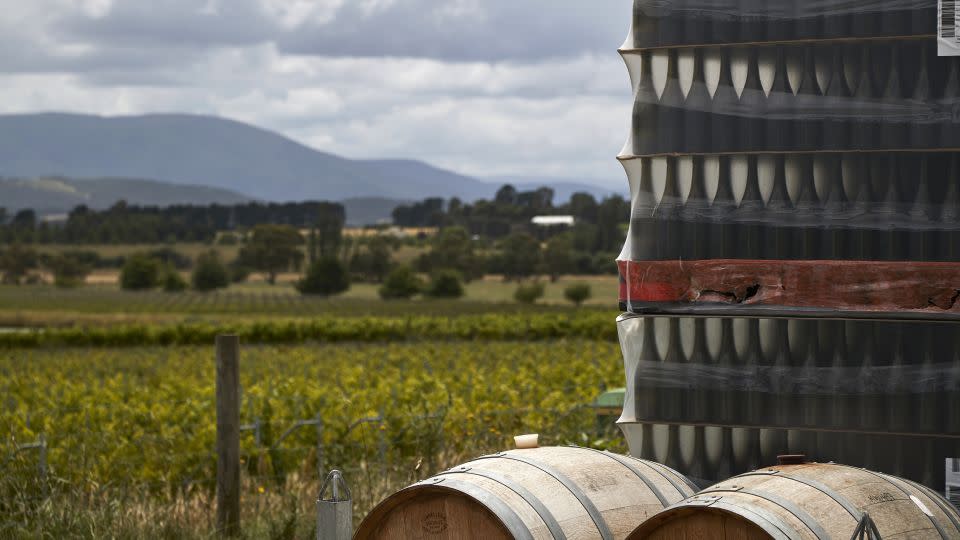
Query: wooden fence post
228, 435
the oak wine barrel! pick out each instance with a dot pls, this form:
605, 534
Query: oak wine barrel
810, 501
540, 493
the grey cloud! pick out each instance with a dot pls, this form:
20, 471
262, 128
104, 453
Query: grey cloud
488, 30
479, 86
495, 30
170, 23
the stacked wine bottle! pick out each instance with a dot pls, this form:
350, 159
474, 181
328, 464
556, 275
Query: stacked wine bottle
793, 386
861, 210
881, 95
695, 22
783, 131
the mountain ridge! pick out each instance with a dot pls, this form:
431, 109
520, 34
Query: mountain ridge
49, 195
210, 151
243, 161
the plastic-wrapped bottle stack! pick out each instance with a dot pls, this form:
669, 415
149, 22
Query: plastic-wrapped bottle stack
790, 280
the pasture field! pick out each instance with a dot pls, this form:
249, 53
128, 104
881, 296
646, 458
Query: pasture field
41, 305
130, 431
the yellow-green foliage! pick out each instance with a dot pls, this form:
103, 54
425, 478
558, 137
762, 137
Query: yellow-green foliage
592, 324
144, 417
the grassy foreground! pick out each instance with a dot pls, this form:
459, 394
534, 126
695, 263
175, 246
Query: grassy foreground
120, 386
131, 431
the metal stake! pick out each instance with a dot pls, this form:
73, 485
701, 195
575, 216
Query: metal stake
335, 514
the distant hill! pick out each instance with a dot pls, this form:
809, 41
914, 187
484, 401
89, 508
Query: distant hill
210, 159
59, 195
53, 195
210, 151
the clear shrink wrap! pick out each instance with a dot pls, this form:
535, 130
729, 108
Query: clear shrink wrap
791, 276
672, 23
712, 396
815, 179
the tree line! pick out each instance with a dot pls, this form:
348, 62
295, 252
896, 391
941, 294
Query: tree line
132, 224
311, 242
598, 225
502, 240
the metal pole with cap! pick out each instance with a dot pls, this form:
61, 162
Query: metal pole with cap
335, 514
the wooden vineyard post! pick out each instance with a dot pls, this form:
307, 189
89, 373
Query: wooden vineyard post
228, 435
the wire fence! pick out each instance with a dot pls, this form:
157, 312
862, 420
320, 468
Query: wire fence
378, 454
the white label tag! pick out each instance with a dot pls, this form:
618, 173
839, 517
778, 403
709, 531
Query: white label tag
923, 508
948, 36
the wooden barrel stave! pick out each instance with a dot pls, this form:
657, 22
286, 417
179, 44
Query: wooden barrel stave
425, 516
541, 513
564, 506
583, 493
950, 512
586, 485
809, 502
820, 508
495, 501
532, 520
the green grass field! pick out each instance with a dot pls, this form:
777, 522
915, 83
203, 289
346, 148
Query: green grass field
42, 305
127, 407
130, 432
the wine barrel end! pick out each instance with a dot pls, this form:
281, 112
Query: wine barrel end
698, 523
811, 500
432, 512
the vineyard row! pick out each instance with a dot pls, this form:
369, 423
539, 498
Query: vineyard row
584, 325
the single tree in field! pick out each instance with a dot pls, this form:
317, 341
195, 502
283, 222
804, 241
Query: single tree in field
583, 207
374, 261
140, 272
172, 281
611, 215
329, 231
16, 262
381, 259
529, 293
402, 283
452, 249
68, 270
327, 276
521, 255
271, 249
209, 273
506, 195
24, 226
578, 293
445, 284
239, 272
558, 257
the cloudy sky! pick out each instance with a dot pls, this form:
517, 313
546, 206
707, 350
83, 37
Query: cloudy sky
484, 87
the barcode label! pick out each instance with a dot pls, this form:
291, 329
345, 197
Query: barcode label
947, 42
